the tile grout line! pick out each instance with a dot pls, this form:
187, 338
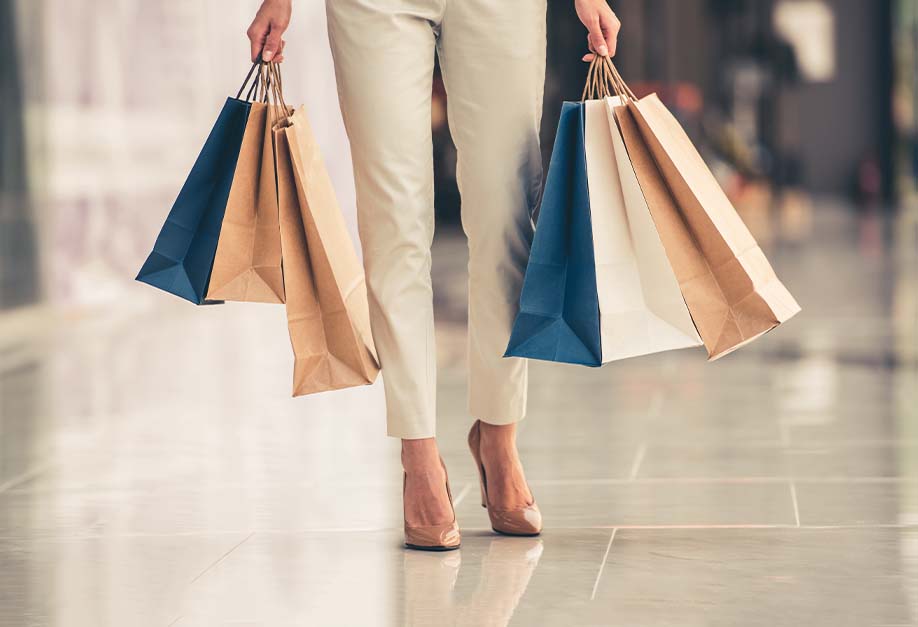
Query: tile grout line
793, 492
638, 460
656, 404
26, 476
222, 557
654, 409
792, 484
10, 486
464, 492
602, 566
339, 530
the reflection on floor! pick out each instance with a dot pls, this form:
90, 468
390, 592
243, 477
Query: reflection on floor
153, 471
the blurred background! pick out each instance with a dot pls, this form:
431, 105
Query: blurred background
792, 101
153, 469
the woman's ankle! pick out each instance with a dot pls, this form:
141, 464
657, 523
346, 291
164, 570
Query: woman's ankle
500, 437
420, 454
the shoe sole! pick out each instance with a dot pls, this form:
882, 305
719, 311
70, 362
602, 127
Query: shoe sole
437, 549
516, 535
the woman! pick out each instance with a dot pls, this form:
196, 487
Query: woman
492, 57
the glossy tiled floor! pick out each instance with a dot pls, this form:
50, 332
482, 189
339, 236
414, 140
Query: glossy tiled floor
153, 471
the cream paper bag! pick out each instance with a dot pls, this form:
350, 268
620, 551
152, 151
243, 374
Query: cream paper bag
641, 308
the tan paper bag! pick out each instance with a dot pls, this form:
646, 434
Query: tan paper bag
730, 288
327, 310
247, 265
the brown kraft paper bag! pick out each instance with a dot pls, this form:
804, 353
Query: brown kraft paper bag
327, 310
247, 265
729, 287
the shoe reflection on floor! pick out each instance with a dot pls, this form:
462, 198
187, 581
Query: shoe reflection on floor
503, 575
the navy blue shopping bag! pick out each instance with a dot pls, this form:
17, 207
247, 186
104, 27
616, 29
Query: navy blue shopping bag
183, 254
559, 306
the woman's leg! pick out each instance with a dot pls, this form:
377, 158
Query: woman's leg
493, 60
384, 60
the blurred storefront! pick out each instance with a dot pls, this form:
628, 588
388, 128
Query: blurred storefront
905, 97
789, 97
794, 92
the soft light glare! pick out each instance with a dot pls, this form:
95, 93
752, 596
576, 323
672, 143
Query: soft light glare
809, 27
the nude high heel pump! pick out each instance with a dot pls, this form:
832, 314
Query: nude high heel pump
443, 537
525, 521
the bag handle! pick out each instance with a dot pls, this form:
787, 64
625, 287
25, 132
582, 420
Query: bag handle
268, 85
276, 83
261, 87
248, 77
603, 81
594, 88
274, 91
618, 80
265, 83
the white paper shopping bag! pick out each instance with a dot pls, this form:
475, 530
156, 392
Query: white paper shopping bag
641, 308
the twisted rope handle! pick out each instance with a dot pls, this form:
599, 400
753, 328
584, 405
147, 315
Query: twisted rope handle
603, 81
277, 86
268, 88
260, 87
618, 80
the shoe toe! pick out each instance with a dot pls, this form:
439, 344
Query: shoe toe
526, 521
438, 537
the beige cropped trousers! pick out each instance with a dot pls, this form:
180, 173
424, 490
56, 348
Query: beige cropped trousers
492, 57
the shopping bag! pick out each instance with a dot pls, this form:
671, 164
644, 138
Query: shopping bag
183, 253
247, 264
327, 309
558, 318
731, 290
641, 309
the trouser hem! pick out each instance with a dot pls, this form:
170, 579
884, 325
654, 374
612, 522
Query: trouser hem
410, 434
497, 417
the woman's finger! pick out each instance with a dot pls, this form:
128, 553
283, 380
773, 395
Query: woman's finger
588, 57
610, 26
597, 39
279, 57
257, 34
273, 41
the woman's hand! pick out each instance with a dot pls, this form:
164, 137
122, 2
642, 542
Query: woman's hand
267, 30
602, 24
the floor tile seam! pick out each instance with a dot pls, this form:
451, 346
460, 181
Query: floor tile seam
11, 490
222, 557
602, 564
546, 534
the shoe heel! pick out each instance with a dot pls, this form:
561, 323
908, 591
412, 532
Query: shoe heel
525, 521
